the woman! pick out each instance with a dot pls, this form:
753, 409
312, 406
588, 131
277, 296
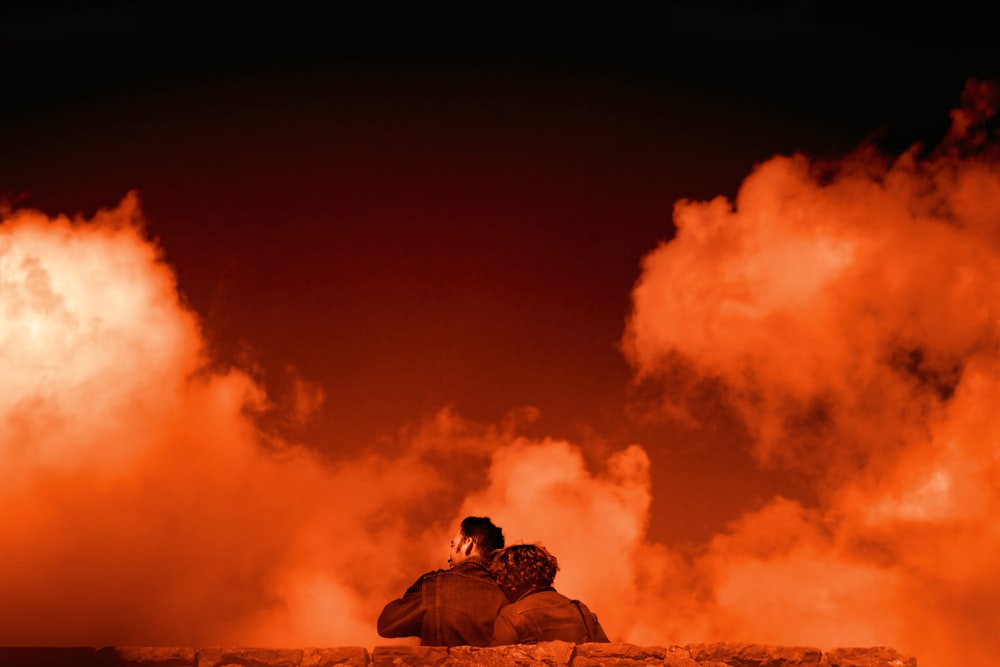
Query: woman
537, 613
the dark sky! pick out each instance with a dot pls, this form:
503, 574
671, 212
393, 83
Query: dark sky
413, 210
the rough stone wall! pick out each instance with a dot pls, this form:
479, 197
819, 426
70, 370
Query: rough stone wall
546, 654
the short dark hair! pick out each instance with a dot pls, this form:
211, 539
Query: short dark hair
520, 567
487, 537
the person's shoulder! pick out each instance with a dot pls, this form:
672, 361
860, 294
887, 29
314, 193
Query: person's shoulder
515, 610
426, 577
538, 600
509, 612
552, 594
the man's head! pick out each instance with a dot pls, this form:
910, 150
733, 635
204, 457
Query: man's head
478, 537
521, 567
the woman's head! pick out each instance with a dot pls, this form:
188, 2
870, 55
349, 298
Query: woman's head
522, 567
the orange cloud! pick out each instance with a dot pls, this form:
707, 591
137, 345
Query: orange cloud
138, 502
848, 310
144, 501
148, 495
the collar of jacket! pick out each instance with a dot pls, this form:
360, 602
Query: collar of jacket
475, 561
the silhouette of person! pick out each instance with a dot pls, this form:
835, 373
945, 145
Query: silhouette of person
537, 612
457, 606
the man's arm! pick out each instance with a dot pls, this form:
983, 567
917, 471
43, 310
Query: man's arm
403, 617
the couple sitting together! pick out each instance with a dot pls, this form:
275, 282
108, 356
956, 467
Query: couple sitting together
490, 596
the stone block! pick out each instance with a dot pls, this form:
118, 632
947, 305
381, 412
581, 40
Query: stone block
876, 656
249, 657
48, 656
678, 656
618, 655
342, 656
409, 656
756, 655
148, 656
543, 654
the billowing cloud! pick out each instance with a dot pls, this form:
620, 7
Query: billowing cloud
845, 312
148, 496
140, 502
848, 313
543, 492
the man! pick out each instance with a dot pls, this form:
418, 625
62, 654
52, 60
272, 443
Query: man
454, 607
537, 613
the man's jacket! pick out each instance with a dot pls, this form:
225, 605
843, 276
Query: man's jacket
453, 607
544, 615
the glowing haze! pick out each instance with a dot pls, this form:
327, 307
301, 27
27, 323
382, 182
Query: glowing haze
845, 311
142, 502
849, 311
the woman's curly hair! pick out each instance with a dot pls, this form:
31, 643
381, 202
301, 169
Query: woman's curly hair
522, 566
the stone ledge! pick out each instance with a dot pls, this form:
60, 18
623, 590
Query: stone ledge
546, 654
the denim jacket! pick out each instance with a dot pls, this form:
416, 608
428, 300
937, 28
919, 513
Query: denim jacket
544, 615
453, 607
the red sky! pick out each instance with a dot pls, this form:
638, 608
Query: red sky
373, 277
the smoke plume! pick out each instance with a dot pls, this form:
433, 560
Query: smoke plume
844, 311
143, 502
847, 312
